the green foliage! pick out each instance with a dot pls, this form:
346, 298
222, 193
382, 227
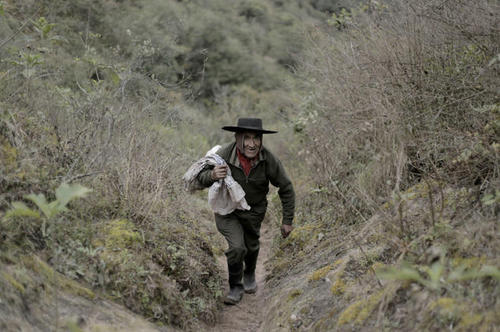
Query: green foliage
19, 209
120, 234
491, 199
394, 143
43, 27
29, 63
436, 276
334, 6
13, 282
320, 273
341, 19
360, 310
64, 194
254, 11
68, 192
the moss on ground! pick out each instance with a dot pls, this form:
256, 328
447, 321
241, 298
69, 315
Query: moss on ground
360, 310
55, 279
10, 279
320, 273
120, 233
8, 154
470, 321
446, 307
463, 314
302, 235
338, 287
294, 293
468, 262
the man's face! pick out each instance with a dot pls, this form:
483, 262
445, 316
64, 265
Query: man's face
251, 144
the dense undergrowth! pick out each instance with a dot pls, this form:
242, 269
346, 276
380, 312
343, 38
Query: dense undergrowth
401, 126
389, 125
106, 94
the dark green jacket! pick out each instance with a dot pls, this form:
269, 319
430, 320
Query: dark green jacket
256, 185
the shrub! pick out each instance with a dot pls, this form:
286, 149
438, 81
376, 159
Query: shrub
399, 96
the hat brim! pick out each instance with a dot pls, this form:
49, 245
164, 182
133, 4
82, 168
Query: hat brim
239, 129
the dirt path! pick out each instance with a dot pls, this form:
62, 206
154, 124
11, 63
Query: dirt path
247, 315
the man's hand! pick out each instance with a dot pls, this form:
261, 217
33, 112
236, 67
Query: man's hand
286, 230
219, 172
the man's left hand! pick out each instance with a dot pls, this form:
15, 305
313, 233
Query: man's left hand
286, 230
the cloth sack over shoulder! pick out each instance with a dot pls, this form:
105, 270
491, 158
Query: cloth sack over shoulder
225, 195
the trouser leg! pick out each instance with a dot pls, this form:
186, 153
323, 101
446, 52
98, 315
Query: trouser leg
235, 274
251, 226
252, 245
232, 230
241, 230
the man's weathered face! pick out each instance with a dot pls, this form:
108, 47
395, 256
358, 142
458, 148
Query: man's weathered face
251, 144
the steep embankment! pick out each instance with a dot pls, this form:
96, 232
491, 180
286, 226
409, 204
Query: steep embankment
37, 298
122, 96
398, 224
331, 277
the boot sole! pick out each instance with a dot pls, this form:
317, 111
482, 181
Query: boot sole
251, 291
231, 302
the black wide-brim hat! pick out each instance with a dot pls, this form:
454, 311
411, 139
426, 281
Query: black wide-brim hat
249, 124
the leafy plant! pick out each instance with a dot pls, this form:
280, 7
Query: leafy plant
64, 194
435, 277
29, 62
43, 27
491, 199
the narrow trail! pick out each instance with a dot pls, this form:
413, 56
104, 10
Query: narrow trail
247, 315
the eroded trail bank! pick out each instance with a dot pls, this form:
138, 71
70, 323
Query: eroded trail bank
248, 314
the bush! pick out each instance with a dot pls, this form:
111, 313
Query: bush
88, 115
399, 96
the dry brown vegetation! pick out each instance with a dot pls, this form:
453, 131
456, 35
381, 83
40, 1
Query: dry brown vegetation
400, 126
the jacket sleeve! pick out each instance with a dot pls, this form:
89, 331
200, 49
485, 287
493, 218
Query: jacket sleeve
205, 176
279, 178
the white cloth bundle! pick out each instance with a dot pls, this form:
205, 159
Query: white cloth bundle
225, 195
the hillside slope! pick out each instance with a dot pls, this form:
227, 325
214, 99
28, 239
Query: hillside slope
121, 97
398, 224
389, 122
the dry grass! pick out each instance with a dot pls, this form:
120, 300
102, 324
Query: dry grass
400, 124
123, 136
399, 97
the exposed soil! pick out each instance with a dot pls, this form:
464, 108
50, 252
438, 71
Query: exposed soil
248, 314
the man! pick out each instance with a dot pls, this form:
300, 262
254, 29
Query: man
253, 167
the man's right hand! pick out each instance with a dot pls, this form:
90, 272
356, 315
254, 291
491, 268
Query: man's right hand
219, 172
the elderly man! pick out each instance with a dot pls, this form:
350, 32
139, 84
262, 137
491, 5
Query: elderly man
253, 167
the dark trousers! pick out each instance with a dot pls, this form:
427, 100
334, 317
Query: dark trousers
242, 231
